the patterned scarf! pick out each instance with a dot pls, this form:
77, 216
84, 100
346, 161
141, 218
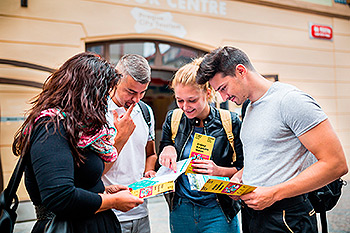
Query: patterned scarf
102, 142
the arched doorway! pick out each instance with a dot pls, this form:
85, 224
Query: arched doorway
165, 58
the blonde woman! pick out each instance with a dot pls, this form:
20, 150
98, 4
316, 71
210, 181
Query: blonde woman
194, 211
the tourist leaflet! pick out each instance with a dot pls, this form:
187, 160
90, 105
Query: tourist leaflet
218, 184
201, 149
164, 181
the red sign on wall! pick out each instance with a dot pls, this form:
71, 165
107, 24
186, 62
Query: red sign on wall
321, 31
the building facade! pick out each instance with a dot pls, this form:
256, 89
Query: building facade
302, 42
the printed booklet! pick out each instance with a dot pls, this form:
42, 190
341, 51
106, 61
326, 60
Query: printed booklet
218, 184
201, 149
164, 181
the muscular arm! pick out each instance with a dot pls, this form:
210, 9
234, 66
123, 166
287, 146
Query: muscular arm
325, 145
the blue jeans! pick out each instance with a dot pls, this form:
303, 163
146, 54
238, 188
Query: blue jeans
188, 217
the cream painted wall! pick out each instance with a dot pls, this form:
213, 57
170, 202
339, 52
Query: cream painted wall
14, 101
48, 32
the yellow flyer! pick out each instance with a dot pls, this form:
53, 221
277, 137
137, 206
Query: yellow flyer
218, 184
226, 187
164, 181
147, 190
201, 149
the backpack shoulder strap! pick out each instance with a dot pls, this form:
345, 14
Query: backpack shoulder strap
226, 121
146, 115
244, 108
175, 122
145, 112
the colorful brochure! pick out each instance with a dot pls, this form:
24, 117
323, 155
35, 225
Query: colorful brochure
201, 149
164, 181
216, 184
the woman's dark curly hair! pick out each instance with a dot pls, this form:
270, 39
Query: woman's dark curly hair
79, 88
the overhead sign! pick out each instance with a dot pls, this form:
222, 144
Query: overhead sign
212, 7
146, 21
318, 31
320, 2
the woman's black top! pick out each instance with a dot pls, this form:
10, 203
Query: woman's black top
71, 192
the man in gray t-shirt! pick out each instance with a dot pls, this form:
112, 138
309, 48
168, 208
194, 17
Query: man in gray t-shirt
275, 154
290, 147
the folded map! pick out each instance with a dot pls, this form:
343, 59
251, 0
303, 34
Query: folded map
164, 181
217, 184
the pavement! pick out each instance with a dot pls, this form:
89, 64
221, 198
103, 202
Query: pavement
338, 217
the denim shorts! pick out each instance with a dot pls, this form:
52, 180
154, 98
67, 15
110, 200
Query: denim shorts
294, 214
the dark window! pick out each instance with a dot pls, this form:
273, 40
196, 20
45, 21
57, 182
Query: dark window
160, 55
165, 59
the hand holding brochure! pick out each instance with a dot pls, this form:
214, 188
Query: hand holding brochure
201, 149
217, 184
164, 181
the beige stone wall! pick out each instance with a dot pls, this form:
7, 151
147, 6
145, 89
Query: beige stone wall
14, 101
47, 32
320, 68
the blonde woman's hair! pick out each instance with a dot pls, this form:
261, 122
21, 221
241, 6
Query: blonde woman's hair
186, 75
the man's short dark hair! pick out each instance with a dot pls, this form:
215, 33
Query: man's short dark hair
222, 60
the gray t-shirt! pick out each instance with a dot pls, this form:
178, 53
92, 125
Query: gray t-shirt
272, 151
